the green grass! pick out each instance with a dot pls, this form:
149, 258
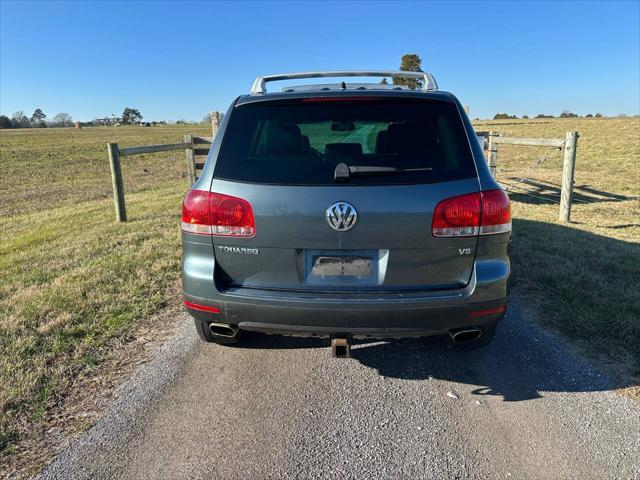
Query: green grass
42, 168
320, 134
72, 281
582, 277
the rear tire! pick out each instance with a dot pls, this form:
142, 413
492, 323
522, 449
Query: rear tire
205, 334
488, 332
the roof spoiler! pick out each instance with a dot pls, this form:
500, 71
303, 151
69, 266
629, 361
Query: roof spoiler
428, 81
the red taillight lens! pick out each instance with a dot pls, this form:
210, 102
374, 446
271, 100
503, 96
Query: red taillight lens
457, 217
485, 213
202, 308
496, 212
195, 212
210, 213
490, 311
231, 216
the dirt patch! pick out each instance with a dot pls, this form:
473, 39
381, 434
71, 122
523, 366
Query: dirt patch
632, 392
85, 401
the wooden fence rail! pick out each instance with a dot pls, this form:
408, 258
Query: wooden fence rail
196, 150
531, 142
569, 144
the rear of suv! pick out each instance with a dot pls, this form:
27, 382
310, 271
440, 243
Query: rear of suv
347, 210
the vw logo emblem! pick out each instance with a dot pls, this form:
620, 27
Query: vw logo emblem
342, 216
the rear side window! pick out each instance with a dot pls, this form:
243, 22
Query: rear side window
302, 142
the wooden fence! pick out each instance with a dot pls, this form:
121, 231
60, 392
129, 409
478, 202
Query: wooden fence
197, 148
569, 144
196, 151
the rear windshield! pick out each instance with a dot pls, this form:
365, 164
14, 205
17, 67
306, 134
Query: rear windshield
305, 142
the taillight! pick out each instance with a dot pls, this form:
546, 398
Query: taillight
496, 212
485, 213
209, 213
195, 212
457, 217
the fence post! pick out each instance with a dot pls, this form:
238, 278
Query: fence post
191, 160
116, 180
493, 154
568, 170
215, 123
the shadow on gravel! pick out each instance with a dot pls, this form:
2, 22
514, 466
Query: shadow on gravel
506, 369
278, 342
582, 280
521, 362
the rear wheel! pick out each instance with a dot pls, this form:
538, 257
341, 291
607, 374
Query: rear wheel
205, 334
485, 339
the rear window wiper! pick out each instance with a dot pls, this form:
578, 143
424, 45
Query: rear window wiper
343, 171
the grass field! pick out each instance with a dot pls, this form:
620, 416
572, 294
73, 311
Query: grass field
583, 277
72, 281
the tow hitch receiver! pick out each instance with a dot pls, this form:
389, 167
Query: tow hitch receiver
341, 347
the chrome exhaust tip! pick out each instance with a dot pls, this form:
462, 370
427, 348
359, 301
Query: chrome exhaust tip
223, 330
465, 334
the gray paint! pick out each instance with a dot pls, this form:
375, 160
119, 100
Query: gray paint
421, 273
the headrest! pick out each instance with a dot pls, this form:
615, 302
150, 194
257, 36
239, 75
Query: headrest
295, 129
400, 138
281, 140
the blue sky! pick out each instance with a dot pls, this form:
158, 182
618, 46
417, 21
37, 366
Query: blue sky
175, 60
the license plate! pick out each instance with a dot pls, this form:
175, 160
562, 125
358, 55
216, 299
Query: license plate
341, 266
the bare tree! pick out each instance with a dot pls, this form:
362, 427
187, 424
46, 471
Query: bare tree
63, 120
19, 120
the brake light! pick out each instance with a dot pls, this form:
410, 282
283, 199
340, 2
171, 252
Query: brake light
338, 99
483, 213
209, 213
496, 212
457, 216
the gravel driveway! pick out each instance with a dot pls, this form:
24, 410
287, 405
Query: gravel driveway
283, 408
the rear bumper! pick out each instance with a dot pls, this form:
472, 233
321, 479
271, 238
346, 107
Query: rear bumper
379, 322
374, 313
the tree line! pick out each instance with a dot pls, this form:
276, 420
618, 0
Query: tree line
37, 120
130, 116
564, 114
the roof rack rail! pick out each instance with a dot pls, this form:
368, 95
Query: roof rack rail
260, 85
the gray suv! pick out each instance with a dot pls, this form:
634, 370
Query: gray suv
346, 210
